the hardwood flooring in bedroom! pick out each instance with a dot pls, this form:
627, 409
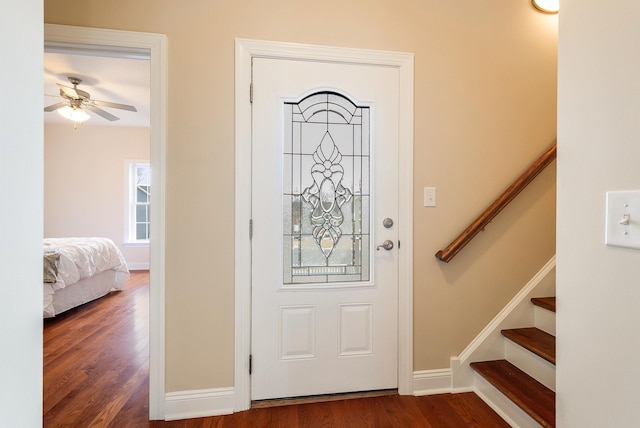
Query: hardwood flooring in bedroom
96, 374
96, 361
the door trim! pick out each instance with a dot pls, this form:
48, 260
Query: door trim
245, 51
116, 42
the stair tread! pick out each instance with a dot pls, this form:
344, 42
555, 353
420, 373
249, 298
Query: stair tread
535, 340
548, 303
535, 399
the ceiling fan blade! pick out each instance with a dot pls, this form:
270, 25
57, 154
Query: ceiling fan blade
114, 105
56, 106
101, 112
70, 92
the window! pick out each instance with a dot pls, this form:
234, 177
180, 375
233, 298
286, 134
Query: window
139, 214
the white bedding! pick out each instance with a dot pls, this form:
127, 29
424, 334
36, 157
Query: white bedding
80, 259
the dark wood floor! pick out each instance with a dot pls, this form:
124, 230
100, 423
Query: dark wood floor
96, 369
435, 411
96, 361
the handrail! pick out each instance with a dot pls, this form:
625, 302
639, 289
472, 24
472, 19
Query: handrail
502, 201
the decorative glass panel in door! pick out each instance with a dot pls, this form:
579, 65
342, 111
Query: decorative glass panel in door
326, 190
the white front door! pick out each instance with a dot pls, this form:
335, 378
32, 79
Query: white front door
324, 200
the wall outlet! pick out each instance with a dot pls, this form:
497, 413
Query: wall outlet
429, 196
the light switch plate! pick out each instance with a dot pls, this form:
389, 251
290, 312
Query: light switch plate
429, 196
623, 219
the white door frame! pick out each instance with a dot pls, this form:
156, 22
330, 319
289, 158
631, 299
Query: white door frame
116, 42
246, 50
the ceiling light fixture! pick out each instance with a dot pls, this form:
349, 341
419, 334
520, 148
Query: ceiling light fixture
77, 114
546, 6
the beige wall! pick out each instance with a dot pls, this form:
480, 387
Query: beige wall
485, 97
85, 182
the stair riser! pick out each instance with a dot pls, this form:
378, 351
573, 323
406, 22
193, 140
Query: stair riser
536, 367
510, 412
545, 320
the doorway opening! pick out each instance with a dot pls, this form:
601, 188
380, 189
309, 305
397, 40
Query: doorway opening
123, 44
246, 52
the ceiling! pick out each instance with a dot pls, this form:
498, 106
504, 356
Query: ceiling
119, 80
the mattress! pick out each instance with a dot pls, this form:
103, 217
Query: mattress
81, 292
78, 270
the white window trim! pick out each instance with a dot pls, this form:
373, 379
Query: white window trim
129, 213
137, 244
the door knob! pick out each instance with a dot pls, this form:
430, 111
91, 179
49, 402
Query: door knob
387, 245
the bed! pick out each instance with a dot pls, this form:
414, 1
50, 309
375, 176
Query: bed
79, 270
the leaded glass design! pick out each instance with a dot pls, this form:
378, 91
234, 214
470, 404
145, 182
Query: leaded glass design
326, 198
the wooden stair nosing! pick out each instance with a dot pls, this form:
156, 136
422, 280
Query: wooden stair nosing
535, 340
548, 303
535, 399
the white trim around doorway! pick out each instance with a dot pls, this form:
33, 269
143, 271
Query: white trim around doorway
245, 51
118, 43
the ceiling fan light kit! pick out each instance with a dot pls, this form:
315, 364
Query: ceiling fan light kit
76, 101
77, 114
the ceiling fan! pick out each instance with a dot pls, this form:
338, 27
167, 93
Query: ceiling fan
76, 100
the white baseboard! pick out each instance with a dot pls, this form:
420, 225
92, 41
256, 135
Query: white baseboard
138, 266
429, 382
199, 403
221, 401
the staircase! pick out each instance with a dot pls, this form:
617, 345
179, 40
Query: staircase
525, 378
